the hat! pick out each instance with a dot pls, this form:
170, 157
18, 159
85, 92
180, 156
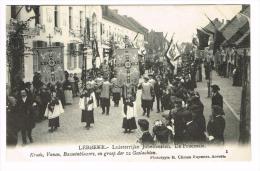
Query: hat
144, 124
217, 110
215, 87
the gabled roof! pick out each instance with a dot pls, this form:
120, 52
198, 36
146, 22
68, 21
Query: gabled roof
237, 26
124, 21
210, 26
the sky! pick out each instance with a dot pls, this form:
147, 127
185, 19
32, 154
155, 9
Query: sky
180, 20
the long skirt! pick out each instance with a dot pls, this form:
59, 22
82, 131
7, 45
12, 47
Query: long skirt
68, 96
129, 123
54, 122
87, 116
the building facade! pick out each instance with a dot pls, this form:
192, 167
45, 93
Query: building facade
70, 27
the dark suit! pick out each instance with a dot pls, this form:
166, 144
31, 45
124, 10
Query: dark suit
217, 99
193, 133
26, 117
216, 129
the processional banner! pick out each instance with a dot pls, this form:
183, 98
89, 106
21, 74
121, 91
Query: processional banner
127, 66
49, 62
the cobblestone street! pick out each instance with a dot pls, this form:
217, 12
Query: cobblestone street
108, 129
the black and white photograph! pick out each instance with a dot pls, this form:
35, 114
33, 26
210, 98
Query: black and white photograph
133, 82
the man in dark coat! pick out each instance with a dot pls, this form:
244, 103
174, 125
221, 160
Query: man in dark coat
26, 116
217, 98
216, 125
158, 90
192, 131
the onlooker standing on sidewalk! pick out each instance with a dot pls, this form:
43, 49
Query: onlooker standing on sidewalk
217, 98
147, 96
216, 125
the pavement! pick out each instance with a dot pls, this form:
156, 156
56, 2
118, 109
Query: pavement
232, 102
108, 129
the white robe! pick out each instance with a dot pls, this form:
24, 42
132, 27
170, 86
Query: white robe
57, 111
90, 106
131, 111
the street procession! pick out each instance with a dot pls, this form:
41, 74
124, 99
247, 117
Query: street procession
100, 74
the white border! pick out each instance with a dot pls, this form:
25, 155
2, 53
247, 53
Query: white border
212, 166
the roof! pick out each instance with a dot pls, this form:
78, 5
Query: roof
237, 26
210, 26
122, 20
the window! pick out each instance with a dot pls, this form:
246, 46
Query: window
80, 22
72, 56
56, 16
70, 18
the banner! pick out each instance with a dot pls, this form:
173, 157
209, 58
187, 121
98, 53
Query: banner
127, 66
49, 61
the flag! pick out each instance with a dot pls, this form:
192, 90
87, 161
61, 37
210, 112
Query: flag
203, 39
172, 53
218, 39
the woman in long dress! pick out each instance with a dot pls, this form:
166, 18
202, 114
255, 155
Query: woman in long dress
87, 104
53, 111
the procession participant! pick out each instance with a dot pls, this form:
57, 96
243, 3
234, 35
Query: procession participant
152, 81
87, 104
76, 82
60, 93
158, 90
99, 81
26, 116
216, 125
105, 95
217, 98
129, 110
116, 90
53, 111
146, 137
28, 89
147, 96
67, 87
72, 84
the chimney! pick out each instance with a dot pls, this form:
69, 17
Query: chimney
105, 10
